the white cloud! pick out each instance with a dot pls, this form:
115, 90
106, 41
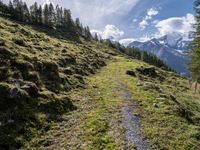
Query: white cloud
126, 42
150, 13
176, 24
98, 13
143, 24
109, 32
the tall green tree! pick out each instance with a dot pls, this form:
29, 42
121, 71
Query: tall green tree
26, 13
39, 15
34, 13
67, 19
46, 15
59, 16
195, 64
51, 15
11, 9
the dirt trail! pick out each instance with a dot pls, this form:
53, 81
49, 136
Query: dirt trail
131, 121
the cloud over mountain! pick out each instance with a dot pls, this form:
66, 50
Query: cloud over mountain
176, 24
109, 32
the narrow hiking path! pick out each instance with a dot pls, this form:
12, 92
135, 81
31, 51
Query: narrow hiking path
105, 117
131, 120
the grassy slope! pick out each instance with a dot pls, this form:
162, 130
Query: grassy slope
169, 110
97, 124
38, 67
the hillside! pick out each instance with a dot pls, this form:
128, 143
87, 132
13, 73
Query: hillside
67, 93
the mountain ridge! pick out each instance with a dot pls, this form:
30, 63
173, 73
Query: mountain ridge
169, 47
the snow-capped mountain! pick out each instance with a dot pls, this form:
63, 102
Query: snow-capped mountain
171, 48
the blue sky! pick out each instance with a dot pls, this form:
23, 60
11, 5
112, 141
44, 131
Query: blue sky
131, 19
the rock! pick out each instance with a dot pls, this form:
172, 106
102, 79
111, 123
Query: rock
149, 71
29, 87
152, 86
131, 73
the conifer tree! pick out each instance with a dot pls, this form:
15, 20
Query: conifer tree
51, 15
11, 9
46, 14
34, 13
67, 20
195, 64
39, 15
26, 15
96, 37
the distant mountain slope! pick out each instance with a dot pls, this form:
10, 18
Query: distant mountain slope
171, 48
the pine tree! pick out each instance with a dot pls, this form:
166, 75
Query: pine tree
39, 15
33, 13
51, 15
67, 19
88, 35
46, 14
58, 15
195, 64
96, 37
3, 8
26, 15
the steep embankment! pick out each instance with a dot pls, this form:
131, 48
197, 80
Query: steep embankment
38, 66
48, 101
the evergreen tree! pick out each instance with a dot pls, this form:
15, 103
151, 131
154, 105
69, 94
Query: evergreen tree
195, 64
46, 14
67, 20
96, 37
59, 16
26, 15
34, 13
39, 15
11, 9
51, 15
3, 8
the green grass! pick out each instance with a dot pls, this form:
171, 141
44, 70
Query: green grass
72, 111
